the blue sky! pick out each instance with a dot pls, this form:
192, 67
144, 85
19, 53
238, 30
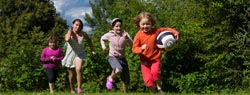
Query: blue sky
71, 9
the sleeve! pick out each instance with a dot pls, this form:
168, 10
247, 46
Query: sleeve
103, 39
45, 58
169, 29
130, 41
176, 33
60, 56
136, 48
173, 31
89, 41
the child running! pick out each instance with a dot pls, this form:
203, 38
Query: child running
145, 46
75, 54
52, 56
117, 39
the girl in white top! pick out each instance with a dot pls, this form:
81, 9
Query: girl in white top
75, 55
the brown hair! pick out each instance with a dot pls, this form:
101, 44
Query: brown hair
81, 26
51, 39
142, 15
114, 21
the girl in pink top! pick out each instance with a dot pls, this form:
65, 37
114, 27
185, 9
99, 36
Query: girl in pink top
52, 56
117, 39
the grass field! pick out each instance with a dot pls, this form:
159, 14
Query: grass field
67, 93
114, 93
106, 93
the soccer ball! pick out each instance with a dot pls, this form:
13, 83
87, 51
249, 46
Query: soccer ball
166, 40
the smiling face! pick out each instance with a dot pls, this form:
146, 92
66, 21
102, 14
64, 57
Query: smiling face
145, 25
76, 26
52, 45
51, 42
117, 27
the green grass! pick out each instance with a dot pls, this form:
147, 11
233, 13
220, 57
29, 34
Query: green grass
114, 93
68, 93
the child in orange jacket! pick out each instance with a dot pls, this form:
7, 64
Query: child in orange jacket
145, 46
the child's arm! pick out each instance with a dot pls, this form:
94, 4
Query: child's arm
67, 36
102, 40
130, 41
44, 58
61, 55
89, 42
137, 48
176, 33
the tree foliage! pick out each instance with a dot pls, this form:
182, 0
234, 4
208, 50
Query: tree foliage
213, 47
212, 54
25, 26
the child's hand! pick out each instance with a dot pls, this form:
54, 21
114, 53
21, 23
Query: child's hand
165, 49
177, 38
104, 50
144, 46
53, 58
93, 53
117, 53
124, 34
69, 32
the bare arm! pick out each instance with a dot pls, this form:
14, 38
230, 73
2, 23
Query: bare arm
67, 36
89, 41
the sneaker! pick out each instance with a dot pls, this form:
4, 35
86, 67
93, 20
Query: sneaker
161, 91
109, 84
79, 90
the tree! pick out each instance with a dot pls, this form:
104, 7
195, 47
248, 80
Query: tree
223, 48
212, 54
169, 13
213, 47
25, 26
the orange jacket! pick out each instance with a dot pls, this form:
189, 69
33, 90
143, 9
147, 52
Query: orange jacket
149, 38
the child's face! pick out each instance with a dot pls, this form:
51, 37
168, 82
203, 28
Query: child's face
76, 26
117, 27
145, 25
52, 45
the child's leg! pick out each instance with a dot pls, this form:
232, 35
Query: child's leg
53, 81
155, 70
147, 76
158, 84
51, 87
114, 73
71, 72
125, 87
117, 68
125, 76
50, 75
78, 64
152, 90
